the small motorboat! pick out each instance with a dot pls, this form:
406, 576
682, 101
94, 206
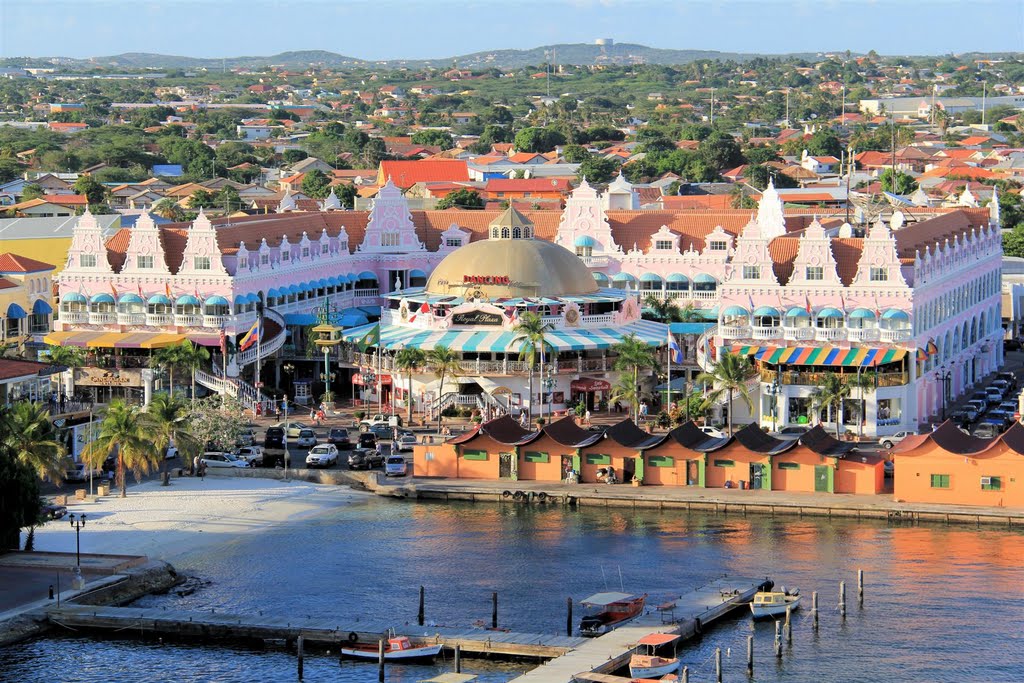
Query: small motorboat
650, 664
614, 609
768, 604
397, 649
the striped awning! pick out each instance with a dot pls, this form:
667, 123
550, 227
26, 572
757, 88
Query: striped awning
97, 339
825, 355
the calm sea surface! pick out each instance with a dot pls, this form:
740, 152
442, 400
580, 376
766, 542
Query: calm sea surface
943, 604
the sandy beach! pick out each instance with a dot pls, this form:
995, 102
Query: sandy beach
172, 522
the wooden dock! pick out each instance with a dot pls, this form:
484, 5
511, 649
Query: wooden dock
222, 625
688, 614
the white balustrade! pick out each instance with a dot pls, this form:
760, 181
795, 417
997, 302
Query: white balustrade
602, 319
131, 318
103, 318
798, 333
735, 331
215, 321
704, 295
159, 319
767, 332
74, 316
829, 333
594, 260
184, 320
863, 334
895, 335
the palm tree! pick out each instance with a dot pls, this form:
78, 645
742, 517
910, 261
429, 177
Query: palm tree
166, 422
531, 331
192, 357
633, 354
445, 362
123, 432
830, 394
861, 381
70, 357
410, 360
729, 376
168, 358
690, 314
663, 310
30, 436
169, 209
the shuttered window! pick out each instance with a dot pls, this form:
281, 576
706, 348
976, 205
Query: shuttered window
789, 465
534, 456
598, 459
474, 455
661, 461
940, 481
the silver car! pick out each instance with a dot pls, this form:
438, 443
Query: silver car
213, 459
307, 439
323, 455
405, 441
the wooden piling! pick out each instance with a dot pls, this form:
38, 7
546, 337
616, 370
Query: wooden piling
789, 625
458, 659
380, 661
778, 639
814, 609
494, 609
842, 598
420, 613
686, 674
750, 655
300, 646
718, 664
860, 587
568, 617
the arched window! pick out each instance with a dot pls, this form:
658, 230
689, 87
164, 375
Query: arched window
517, 233
494, 233
527, 233
504, 233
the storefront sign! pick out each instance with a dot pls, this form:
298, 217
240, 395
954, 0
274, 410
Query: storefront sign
108, 377
486, 279
590, 384
477, 318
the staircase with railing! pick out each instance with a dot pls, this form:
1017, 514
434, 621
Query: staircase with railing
248, 395
274, 336
705, 342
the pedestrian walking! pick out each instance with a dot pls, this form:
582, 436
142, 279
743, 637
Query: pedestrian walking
194, 469
586, 417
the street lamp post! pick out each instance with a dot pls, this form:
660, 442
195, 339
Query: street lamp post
946, 377
77, 522
326, 376
549, 385
773, 391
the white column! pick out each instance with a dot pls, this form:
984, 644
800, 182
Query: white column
910, 397
147, 386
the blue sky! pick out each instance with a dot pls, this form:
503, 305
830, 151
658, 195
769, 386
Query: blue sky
393, 29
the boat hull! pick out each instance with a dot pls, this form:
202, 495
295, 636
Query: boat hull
652, 671
418, 654
772, 611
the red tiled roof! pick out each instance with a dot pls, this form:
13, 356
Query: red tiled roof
13, 263
405, 174
528, 185
7, 284
66, 199
10, 368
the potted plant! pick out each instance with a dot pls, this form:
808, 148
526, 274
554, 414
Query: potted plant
540, 422
327, 398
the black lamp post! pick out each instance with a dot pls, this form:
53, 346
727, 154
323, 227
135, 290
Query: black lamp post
773, 391
946, 377
78, 522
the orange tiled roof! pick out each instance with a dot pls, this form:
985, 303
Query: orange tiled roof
405, 174
13, 263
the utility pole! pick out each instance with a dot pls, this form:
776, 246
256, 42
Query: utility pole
984, 95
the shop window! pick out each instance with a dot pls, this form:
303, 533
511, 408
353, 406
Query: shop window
534, 456
718, 245
725, 463
661, 461
991, 484
789, 465
799, 410
879, 274
598, 459
663, 245
87, 260
751, 272
815, 273
940, 481
474, 455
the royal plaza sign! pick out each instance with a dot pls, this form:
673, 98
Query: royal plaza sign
108, 377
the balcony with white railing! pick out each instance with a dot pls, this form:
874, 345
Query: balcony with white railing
216, 321
188, 320
131, 318
798, 333
829, 334
767, 332
704, 295
896, 336
159, 319
364, 293
601, 319
735, 331
74, 317
103, 318
862, 334
595, 261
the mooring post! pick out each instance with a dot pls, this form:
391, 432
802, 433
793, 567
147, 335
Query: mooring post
789, 625
568, 617
458, 659
718, 664
860, 587
380, 660
419, 614
842, 598
814, 609
686, 674
494, 609
778, 639
300, 647
750, 655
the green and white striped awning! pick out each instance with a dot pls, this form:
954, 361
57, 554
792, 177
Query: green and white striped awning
503, 341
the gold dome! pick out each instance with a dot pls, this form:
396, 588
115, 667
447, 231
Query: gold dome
511, 268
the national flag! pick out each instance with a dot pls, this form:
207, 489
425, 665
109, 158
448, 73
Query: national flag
252, 336
807, 303
675, 354
139, 287
750, 300
922, 355
167, 289
371, 338
932, 349
878, 313
422, 310
113, 290
223, 342
842, 303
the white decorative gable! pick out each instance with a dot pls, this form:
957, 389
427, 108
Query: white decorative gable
664, 242
620, 196
583, 218
287, 202
770, 214
202, 255
751, 263
390, 227
879, 263
331, 202
87, 252
453, 238
815, 263
145, 254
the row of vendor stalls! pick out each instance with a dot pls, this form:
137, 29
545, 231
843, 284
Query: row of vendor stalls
685, 456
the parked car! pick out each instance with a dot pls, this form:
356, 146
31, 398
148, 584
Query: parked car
1011, 345
273, 439
383, 419
792, 432
988, 429
711, 431
246, 437
1008, 406
365, 459
339, 437
52, 511
218, 459
966, 415
323, 455
1009, 377
251, 454
80, 472
980, 406
405, 441
367, 440
890, 441
1001, 384
993, 396
382, 431
306, 438
293, 428
1002, 415
395, 466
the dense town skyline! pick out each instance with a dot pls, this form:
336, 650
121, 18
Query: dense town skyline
411, 30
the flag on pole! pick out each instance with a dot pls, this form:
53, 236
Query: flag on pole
223, 342
113, 290
371, 338
675, 354
878, 313
422, 310
139, 287
932, 349
842, 302
252, 336
167, 289
807, 303
750, 300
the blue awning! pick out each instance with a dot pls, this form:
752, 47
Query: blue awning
292, 289
74, 297
623, 277
830, 313
585, 241
102, 299
690, 328
734, 311
352, 319
300, 319
130, 299
187, 300
416, 272
769, 311
159, 299
274, 293
797, 312
895, 314
41, 307
651, 277
600, 278
862, 313
16, 311
322, 283
704, 278
367, 275
217, 300
677, 277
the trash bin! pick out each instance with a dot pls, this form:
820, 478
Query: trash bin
743, 484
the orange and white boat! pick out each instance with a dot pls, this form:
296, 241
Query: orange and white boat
398, 649
649, 664
615, 609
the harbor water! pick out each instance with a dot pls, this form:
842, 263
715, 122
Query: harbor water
942, 604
